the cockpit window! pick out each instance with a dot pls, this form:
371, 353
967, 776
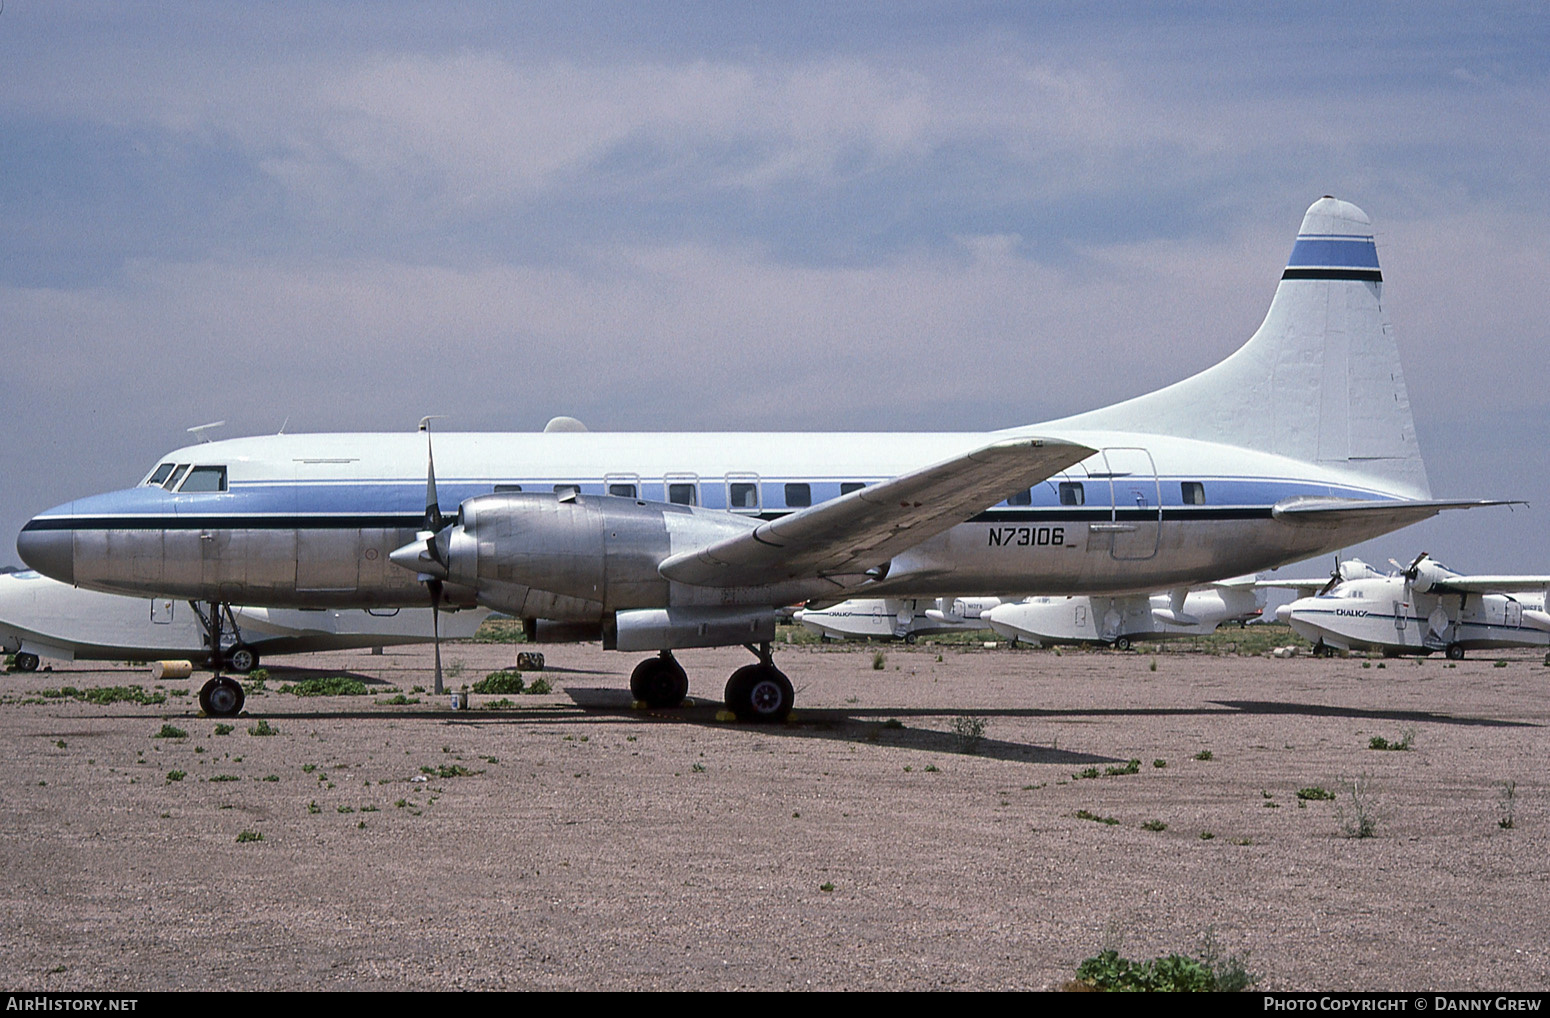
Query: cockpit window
171, 483
160, 474
205, 479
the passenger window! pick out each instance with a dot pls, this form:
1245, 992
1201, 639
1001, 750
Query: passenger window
507, 487
742, 495
683, 494
1071, 493
205, 479
177, 475
846, 487
160, 475
1194, 492
622, 490
799, 495
1024, 497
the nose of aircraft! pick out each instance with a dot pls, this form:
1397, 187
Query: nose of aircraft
50, 552
1284, 612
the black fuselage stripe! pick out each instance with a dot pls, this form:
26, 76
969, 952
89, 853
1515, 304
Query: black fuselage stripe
1362, 275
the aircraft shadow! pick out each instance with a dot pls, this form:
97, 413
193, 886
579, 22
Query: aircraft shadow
1373, 714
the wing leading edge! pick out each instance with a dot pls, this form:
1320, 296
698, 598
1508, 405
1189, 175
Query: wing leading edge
866, 528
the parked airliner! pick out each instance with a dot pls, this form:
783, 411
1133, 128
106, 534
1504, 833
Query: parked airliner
1299, 443
43, 618
1422, 608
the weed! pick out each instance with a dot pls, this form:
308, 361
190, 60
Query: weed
1204, 754
225, 777
105, 695
1314, 793
539, 686
1176, 973
969, 733
449, 771
1405, 741
1206, 835
344, 809
224, 729
1133, 767
262, 728
247, 836
399, 700
271, 777
504, 703
698, 768
180, 775
505, 681
1159, 764
455, 669
1154, 825
1499, 664
879, 661
1090, 772
826, 887
334, 685
170, 732
1153, 666
1083, 814
1508, 803
60, 744
1358, 820
313, 807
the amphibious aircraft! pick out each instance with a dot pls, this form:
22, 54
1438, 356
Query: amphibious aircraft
1299, 443
40, 617
1119, 621
1424, 607
891, 618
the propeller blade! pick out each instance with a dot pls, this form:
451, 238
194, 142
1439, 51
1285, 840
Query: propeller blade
433, 518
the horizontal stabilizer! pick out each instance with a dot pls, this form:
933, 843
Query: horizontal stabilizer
1313, 511
866, 528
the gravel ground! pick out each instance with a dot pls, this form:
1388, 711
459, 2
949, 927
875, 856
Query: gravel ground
571, 842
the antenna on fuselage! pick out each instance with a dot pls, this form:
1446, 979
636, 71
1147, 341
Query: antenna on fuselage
198, 431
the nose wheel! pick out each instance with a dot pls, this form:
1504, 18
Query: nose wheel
221, 697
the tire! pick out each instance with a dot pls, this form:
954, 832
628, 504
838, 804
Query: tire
26, 662
1122, 643
760, 694
221, 698
909, 638
1455, 652
242, 659
659, 682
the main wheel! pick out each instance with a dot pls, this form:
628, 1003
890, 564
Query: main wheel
759, 693
1455, 652
1122, 643
659, 682
26, 662
242, 659
221, 698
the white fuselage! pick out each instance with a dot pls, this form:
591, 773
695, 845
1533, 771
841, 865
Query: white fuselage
49, 619
878, 618
1386, 613
1111, 619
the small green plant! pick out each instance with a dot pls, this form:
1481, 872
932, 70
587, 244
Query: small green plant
455, 669
1133, 767
969, 733
1204, 754
1153, 666
504, 703
1159, 764
879, 661
1405, 741
1507, 801
538, 687
826, 887
333, 685
262, 728
1314, 793
247, 836
225, 777
448, 771
1083, 814
1206, 835
931, 769
504, 682
1154, 825
1088, 772
313, 807
1176, 973
176, 776
399, 700
1499, 664
698, 767
170, 732
224, 729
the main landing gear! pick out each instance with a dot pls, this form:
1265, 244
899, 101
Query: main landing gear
222, 697
757, 693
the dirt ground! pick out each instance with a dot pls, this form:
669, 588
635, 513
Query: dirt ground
572, 842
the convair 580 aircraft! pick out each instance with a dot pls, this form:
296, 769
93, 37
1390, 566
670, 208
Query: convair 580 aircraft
1299, 443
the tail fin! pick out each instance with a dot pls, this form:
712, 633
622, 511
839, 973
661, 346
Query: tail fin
1319, 382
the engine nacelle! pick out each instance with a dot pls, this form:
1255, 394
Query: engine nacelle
1428, 574
572, 558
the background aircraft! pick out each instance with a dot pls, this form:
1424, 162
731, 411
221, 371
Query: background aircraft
1121, 620
1298, 443
1422, 608
878, 618
40, 617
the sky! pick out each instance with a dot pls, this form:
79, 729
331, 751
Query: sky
745, 216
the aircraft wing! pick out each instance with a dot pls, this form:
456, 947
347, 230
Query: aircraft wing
1310, 510
866, 528
1489, 584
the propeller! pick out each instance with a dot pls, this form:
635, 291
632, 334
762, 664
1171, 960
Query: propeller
1334, 578
432, 560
